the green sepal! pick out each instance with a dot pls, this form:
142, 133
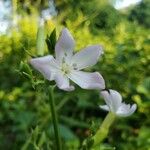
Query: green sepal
25, 69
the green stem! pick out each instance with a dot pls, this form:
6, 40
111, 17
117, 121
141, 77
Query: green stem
54, 118
102, 132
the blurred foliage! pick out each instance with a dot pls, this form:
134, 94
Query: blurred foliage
25, 119
32, 6
99, 14
141, 13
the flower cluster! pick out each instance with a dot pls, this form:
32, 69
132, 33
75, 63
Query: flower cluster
67, 66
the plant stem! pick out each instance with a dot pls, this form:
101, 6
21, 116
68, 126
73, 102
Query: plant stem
102, 132
54, 118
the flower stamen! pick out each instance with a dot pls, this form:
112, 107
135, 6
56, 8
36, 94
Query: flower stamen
75, 66
65, 68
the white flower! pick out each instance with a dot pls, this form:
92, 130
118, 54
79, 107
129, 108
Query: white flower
67, 66
114, 104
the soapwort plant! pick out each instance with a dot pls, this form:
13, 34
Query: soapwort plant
66, 66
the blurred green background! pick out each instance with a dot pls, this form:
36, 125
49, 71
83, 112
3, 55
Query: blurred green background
25, 119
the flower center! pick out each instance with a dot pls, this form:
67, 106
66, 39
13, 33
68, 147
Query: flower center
66, 68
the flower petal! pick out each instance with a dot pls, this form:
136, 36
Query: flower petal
63, 82
46, 65
126, 110
104, 107
87, 80
112, 98
87, 57
64, 46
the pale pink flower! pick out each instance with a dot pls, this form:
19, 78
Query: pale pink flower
114, 104
67, 66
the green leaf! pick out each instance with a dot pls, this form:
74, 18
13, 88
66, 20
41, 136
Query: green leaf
74, 123
42, 139
65, 132
51, 41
